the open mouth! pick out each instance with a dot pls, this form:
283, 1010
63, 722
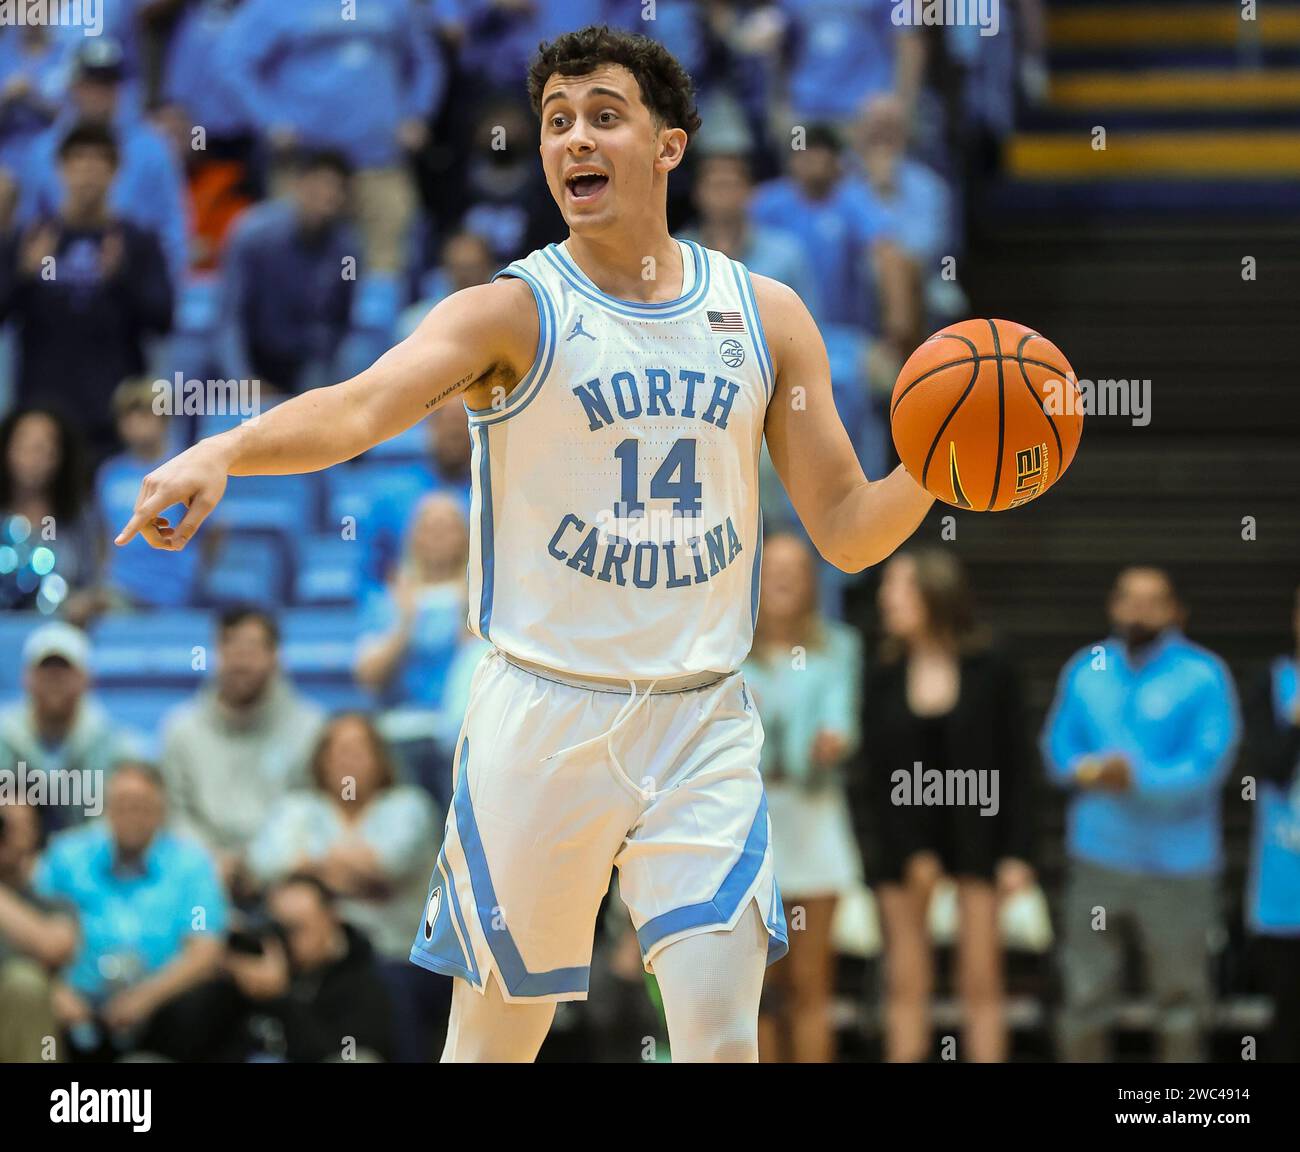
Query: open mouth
586, 186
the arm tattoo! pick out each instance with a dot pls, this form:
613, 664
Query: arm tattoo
449, 391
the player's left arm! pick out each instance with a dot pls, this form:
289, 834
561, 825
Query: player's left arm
852, 521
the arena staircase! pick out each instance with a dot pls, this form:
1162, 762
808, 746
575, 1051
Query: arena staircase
1200, 107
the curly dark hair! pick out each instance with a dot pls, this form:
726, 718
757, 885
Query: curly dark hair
666, 87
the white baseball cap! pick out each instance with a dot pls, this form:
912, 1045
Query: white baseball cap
57, 639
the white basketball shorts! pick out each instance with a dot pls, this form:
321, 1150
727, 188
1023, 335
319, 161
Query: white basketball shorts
556, 784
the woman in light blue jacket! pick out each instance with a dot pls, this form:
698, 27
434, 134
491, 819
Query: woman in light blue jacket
804, 671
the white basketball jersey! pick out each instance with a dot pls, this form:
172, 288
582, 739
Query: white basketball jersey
615, 524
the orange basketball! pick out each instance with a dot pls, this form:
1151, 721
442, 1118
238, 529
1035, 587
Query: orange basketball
986, 415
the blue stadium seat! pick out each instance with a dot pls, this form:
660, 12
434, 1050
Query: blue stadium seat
376, 303
250, 569
353, 490
339, 697
141, 711
413, 444
14, 630
198, 304
319, 644
283, 504
327, 570
156, 648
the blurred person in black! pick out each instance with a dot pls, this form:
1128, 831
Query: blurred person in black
1272, 756
43, 505
940, 698
288, 277
86, 289
37, 937
305, 987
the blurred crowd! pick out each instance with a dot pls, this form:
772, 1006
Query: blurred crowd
243, 752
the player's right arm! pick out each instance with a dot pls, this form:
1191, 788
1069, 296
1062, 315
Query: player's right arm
483, 334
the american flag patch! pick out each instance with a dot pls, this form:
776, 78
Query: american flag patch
725, 322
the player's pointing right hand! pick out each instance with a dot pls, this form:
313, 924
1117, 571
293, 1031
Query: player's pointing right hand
196, 478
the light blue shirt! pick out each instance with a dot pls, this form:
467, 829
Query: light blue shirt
823, 692
135, 921
1174, 715
345, 84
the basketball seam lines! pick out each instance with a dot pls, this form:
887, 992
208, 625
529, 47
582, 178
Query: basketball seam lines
1002, 419
1060, 451
975, 375
976, 359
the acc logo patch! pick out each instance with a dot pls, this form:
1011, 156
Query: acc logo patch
732, 353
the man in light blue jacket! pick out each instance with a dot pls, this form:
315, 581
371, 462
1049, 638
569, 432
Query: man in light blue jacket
1143, 732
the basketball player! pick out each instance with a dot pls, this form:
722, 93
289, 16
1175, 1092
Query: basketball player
617, 386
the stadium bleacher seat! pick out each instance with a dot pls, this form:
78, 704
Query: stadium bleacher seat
251, 568
409, 445
14, 630
353, 491
158, 650
141, 712
283, 504
339, 697
319, 644
327, 570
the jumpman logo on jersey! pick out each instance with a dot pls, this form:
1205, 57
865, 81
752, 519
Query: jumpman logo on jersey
579, 330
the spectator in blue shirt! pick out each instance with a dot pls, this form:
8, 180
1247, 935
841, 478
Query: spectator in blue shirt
842, 230
287, 281
1272, 757
151, 916
845, 52
387, 521
1142, 732
194, 79
912, 195
723, 193
364, 84
148, 189
34, 73
412, 634
139, 577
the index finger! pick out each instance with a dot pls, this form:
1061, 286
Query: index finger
144, 512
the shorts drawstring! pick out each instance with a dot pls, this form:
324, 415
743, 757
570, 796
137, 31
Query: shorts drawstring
625, 712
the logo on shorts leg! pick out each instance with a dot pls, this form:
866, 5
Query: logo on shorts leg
431, 913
